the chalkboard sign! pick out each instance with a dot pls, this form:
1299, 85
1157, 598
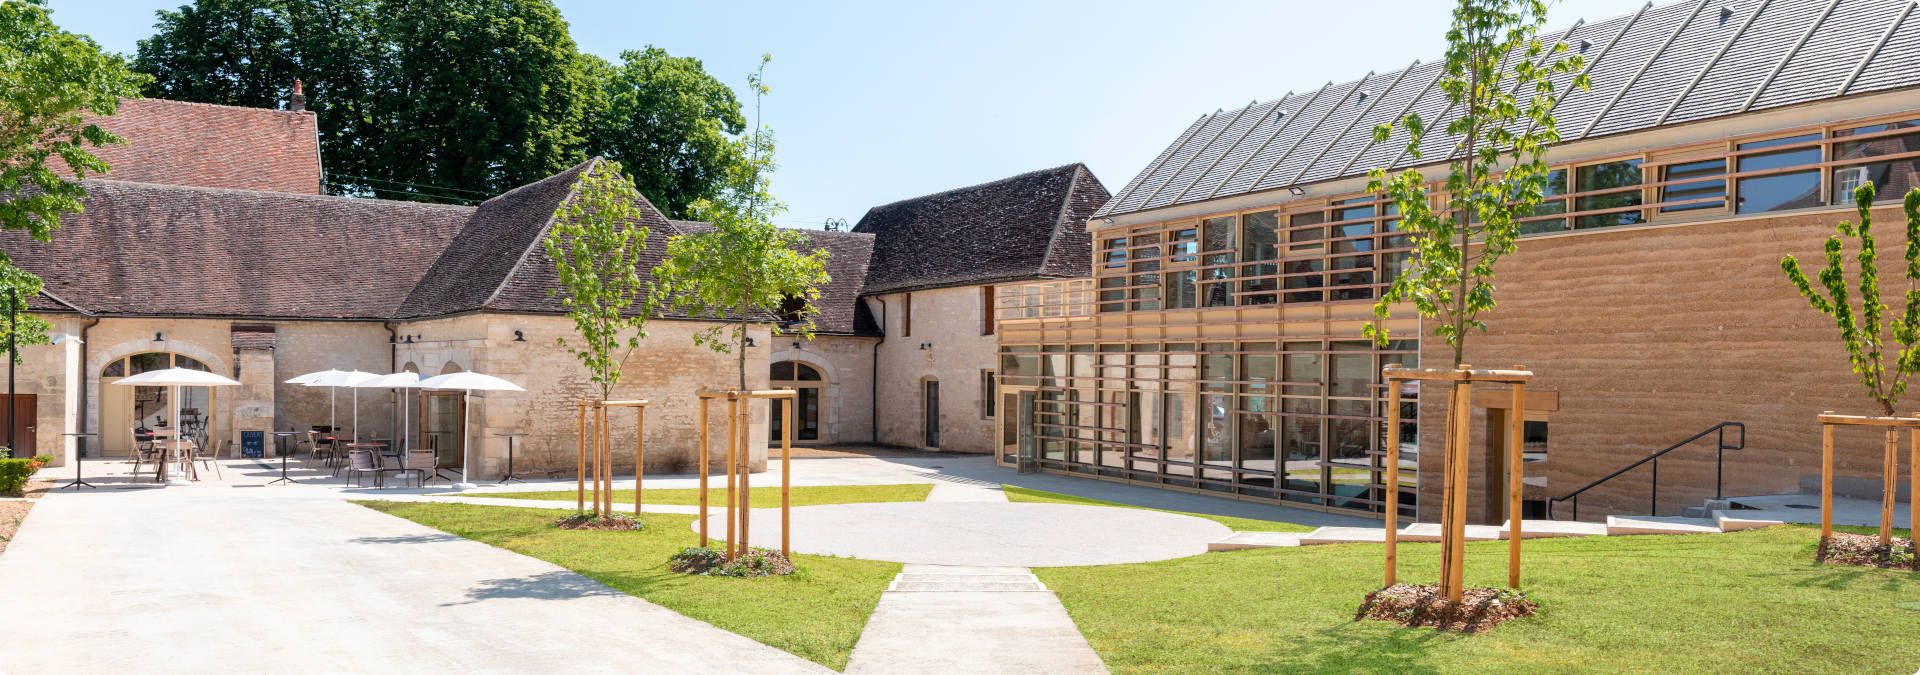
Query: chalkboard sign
253, 444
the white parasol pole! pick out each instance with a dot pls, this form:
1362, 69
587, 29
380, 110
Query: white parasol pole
466, 442
179, 474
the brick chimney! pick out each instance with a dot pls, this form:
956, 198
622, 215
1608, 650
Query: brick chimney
298, 101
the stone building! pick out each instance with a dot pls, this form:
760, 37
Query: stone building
1217, 347
209, 245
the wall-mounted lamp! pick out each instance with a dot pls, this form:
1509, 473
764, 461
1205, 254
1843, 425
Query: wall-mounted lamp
159, 336
796, 344
519, 336
1108, 221
409, 339
926, 346
749, 342
64, 338
1297, 191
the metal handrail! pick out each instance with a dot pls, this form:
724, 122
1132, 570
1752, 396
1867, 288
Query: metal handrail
1719, 459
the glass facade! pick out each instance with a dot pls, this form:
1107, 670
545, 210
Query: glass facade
1298, 421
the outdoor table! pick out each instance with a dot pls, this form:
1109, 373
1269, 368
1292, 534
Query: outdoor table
510, 475
174, 450
280, 446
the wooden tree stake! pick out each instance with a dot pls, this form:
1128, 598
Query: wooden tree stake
786, 476
639, 454
733, 437
1889, 479
705, 464
1826, 488
580, 469
1516, 470
1393, 480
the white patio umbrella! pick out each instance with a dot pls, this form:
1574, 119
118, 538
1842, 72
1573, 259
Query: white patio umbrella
332, 400
336, 379
469, 382
403, 380
174, 379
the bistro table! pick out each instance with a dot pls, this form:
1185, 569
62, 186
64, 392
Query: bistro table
173, 450
511, 477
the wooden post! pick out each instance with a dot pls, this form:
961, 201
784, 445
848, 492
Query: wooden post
1392, 457
1446, 484
786, 477
746, 474
1516, 437
704, 464
580, 469
1913, 493
606, 454
1826, 487
733, 437
639, 454
1458, 525
1889, 480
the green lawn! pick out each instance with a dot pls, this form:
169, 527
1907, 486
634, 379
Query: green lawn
1020, 494
816, 613
762, 496
1744, 602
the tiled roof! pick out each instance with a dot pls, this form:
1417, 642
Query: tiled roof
848, 256
491, 248
1684, 61
1027, 226
216, 146
252, 337
163, 250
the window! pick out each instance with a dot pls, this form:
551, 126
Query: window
1259, 240
986, 310
1779, 191
1146, 277
1217, 242
989, 394
1621, 174
906, 316
1180, 290
1553, 201
1892, 179
1701, 183
1113, 261
1352, 237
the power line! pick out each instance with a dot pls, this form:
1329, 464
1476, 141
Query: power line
399, 182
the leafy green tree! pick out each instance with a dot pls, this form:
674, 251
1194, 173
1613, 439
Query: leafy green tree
745, 270
51, 82
595, 242
669, 120
1865, 332
1499, 78
478, 95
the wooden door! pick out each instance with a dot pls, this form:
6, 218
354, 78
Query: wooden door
26, 421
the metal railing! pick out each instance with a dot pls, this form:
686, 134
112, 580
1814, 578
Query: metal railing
1719, 460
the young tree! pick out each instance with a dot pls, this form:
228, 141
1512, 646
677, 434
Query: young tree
595, 242
745, 269
1499, 78
51, 81
1865, 332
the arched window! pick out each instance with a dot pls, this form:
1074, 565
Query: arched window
806, 411
129, 413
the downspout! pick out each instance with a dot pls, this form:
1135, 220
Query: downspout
85, 377
393, 366
873, 382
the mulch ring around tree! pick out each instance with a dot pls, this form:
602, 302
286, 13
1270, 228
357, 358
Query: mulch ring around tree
588, 521
758, 562
1413, 606
1863, 550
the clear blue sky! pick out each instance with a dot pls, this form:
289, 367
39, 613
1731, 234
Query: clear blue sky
879, 101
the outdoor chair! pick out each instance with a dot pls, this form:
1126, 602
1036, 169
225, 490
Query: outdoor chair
418, 463
362, 463
317, 451
141, 451
208, 454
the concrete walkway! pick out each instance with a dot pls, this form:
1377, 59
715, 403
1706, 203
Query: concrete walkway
971, 619
225, 580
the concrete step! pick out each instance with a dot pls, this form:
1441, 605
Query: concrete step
966, 587
1737, 520
954, 581
1621, 525
1430, 532
1547, 529
1246, 540
1343, 535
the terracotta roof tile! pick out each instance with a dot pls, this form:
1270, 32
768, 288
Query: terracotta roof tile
1028, 226
216, 146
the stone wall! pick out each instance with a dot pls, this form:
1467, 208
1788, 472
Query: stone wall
1649, 335
846, 397
667, 370
945, 344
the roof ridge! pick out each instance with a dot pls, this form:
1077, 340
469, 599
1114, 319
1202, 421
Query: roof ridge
573, 190
1066, 202
272, 193
975, 186
175, 101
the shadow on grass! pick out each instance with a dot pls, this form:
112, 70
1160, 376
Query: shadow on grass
543, 586
1353, 647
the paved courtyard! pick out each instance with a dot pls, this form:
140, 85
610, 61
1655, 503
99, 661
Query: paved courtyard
231, 573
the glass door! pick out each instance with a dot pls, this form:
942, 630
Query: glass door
441, 429
1018, 447
932, 414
